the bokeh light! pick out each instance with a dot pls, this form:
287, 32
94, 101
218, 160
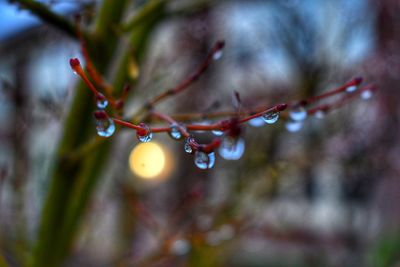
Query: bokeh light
148, 160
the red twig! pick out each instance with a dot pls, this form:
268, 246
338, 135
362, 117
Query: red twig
76, 66
192, 78
172, 122
354, 82
224, 124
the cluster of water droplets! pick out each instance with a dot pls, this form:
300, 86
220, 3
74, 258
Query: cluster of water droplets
105, 126
204, 160
232, 148
145, 135
297, 116
187, 147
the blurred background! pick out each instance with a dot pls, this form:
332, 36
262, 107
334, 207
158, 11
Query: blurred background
327, 194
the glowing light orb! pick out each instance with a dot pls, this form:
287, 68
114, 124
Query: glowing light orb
147, 160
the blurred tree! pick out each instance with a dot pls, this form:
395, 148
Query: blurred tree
287, 193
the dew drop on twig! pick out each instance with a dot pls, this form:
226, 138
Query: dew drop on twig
257, 122
105, 126
319, 114
351, 89
218, 54
293, 126
175, 132
145, 135
203, 160
367, 94
271, 117
101, 101
187, 147
232, 148
298, 113
217, 132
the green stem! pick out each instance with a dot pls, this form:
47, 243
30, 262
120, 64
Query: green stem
153, 9
73, 181
69, 177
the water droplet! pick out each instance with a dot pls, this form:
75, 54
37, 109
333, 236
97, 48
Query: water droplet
217, 55
232, 148
217, 132
187, 147
298, 113
294, 126
101, 101
105, 126
75, 72
350, 89
319, 114
203, 160
180, 247
271, 117
257, 122
367, 94
175, 132
145, 135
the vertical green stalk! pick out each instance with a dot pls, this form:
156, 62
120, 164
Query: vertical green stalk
73, 181
53, 242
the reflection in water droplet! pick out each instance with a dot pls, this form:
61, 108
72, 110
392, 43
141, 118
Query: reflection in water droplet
175, 132
146, 135
217, 55
232, 148
351, 88
105, 127
271, 117
293, 126
101, 102
257, 122
187, 147
203, 160
298, 113
367, 94
319, 114
217, 132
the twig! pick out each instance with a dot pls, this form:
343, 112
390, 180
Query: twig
47, 15
219, 45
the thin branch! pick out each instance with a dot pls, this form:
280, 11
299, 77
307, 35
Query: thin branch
47, 15
185, 83
191, 79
